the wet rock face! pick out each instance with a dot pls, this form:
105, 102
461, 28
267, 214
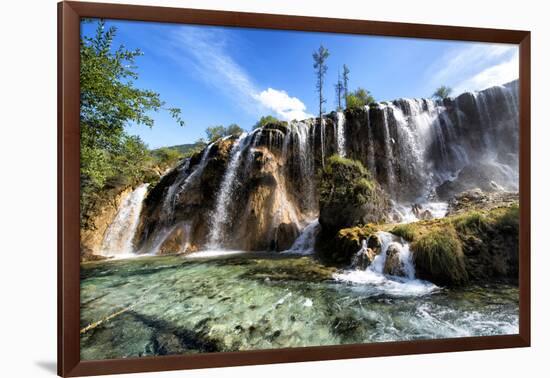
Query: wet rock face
180, 198
262, 213
102, 215
489, 177
365, 258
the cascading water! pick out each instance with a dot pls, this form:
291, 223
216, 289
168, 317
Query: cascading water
119, 237
198, 171
304, 244
341, 133
375, 276
171, 195
220, 215
302, 152
323, 136
411, 147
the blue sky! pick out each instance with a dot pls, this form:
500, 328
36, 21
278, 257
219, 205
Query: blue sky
219, 75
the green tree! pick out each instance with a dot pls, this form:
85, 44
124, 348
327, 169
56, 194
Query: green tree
214, 133
234, 130
110, 101
319, 64
359, 99
345, 82
442, 92
167, 156
265, 120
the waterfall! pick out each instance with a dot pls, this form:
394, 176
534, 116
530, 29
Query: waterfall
378, 265
301, 139
388, 152
305, 243
341, 134
323, 130
169, 202
220, 216
119, 237
374, 281
415, 148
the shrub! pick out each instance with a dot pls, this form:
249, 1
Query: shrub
359, 99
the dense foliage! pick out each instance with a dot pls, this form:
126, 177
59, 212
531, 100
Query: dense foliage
109, 102
359, 99
442, 92
214, 133
265, 120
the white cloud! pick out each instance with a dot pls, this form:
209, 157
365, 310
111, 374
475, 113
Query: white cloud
495, 75
475, 67
206, 50
284, 106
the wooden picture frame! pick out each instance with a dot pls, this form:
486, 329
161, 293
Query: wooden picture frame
69, 15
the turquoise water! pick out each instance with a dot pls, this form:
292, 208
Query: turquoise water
176, 305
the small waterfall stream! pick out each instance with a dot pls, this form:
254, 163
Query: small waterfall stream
305, 243
220, 215
376, 274
341, 134
119, 237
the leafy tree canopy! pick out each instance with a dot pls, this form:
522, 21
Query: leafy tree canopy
359, 99
214, 133
109, 102
442, 92
265, 120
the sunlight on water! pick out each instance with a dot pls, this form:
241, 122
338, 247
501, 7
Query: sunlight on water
175, 305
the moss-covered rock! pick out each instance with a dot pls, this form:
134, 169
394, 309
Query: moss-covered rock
339, 249
482, 239
438, 257
348, 196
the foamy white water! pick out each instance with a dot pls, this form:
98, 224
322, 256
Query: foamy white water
305, 243
373, 281
119, 237
341, 134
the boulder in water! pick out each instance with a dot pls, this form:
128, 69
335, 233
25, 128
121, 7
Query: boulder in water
393, 265
365, 257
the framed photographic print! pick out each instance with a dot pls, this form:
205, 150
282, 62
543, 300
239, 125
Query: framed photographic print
239, 188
